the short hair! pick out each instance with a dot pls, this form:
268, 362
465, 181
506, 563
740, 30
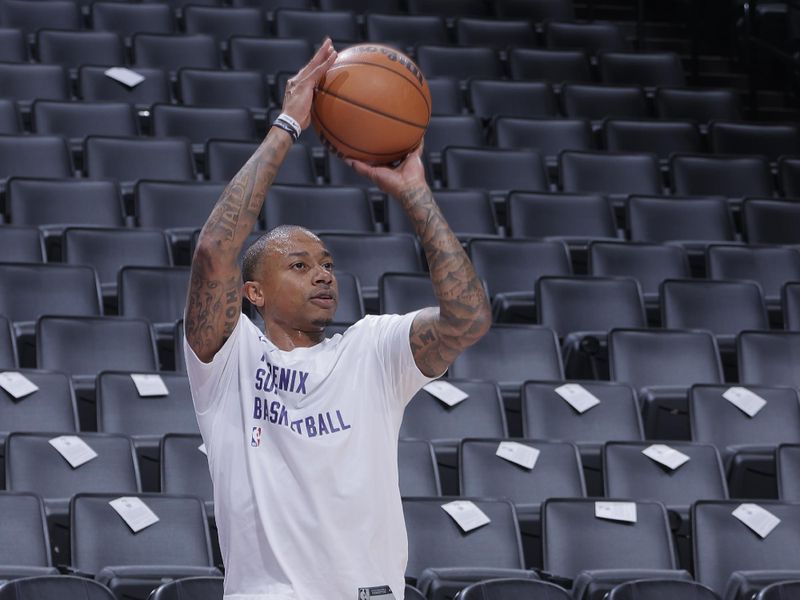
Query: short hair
252, 257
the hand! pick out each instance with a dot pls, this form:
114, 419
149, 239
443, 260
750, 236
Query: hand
408, 175
300, 88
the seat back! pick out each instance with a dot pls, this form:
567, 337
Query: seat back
184, 467
769, 267
50, 408
157, 294
131, 159
649, 264
197, 588
54, 587
332, 208
767, 357
23, 531
605, 173
661, 219
655, 589
567, 215
400, 293
419, 475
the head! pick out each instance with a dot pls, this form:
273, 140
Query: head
288, 276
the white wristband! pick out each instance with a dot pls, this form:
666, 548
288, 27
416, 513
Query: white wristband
290, 122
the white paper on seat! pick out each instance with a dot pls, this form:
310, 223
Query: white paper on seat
466, 514
519, 454
756, 518
616, 511
202, 448
446, 392
134, 512
124, 76
745, 400
149, 385
577, 396
74, 450
17, 384
669, 457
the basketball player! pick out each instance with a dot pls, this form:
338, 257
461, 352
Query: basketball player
301, 431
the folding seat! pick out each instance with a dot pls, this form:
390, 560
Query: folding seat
368, 256
8, 349
54, 587
732, 560
576, 545
270, 56
661, 138
269, 6
509, 588
199, 588
120, 409
351, 302
94, 86
730, 176
224, 158
548, 136
770, 221
24, 82
593, 37
417, 469
34, 156
401, 293
789, 176
555, 66
48, 14
701, 106
9, 117
510, 269
319, 209
491, 99
174, 52
765, 357
769, 141
127, 19
406, 31
787, 465
790, 303
616, 174
12, 45
176, 546
574, 218
448, 8
494, 33
340, 173
223, 22
598, 102
452, 130
648, 69
459, 63
546, 415
536, 10
72, 49
492, 169
446, 96
180, 359
582, 310
661, 365
779, 590
747, 444
443, 560
108, 250
184, 468
21, 244
469, 213
179, 208
649, 264
198, 124
361, 6
223, 88
24, 543
130, 159
77, 120
157, 294
655, 589
313, 26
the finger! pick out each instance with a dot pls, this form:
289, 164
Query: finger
319, 57
361, 168
320, 70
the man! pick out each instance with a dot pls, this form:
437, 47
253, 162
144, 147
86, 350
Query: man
301, 431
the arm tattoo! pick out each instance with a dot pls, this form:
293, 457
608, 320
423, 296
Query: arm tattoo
438, 336
215, 287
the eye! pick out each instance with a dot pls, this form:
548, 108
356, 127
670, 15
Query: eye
300, 266
328, 266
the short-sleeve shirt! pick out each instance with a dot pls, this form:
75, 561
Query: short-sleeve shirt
302, 449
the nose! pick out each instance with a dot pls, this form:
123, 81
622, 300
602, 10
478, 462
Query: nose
323, 276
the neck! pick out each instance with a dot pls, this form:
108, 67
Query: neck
288, 338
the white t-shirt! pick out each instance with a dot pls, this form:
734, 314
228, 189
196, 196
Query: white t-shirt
302, 449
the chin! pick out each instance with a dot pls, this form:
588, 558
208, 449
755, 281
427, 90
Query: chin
322, 323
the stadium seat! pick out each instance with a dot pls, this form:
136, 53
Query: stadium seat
765, 357
417, 469
615, 174
661, 138
662, 365
351, 302
401, 293
509, 589
729, 176
54, 587
319, 209
9, 117
571, 217
34, 156
25, 82
598, 102
591, 37
270, 56
127, 19
790, 302
469, 213
787, 465
406, 31
95, 86
176, 546
781, 590
313, 26
77, 120
224, 158
769, 141
655, 589
224, 22
577, 545
157, 294
446, 96
770, 221
549, 137
554, 66
72, 49
495, 33
24, 542
459, 63
492, 169
510, 269
198, 588
699, 105
8, 348
269, 6
537, 10
130, 159
204, 87
789, 176
174, 52
48, 14
492, 98
198, 124
448, 8
12, 45
21, 244
732, 560
648, 69
452, 130
184, 468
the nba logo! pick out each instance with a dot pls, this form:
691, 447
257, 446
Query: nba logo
255, 437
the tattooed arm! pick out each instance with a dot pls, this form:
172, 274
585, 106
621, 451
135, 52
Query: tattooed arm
438, 335
215, 285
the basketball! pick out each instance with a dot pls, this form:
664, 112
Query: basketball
372, 105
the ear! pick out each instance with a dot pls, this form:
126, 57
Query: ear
254, 293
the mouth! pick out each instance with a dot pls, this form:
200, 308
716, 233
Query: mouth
324, 299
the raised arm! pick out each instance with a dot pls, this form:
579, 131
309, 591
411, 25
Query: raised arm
215, 285
438, 335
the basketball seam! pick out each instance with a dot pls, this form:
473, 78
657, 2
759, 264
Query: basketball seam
414, 82
342, 142
372, 110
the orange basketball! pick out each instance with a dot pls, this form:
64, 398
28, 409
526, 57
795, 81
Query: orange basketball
372, 105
